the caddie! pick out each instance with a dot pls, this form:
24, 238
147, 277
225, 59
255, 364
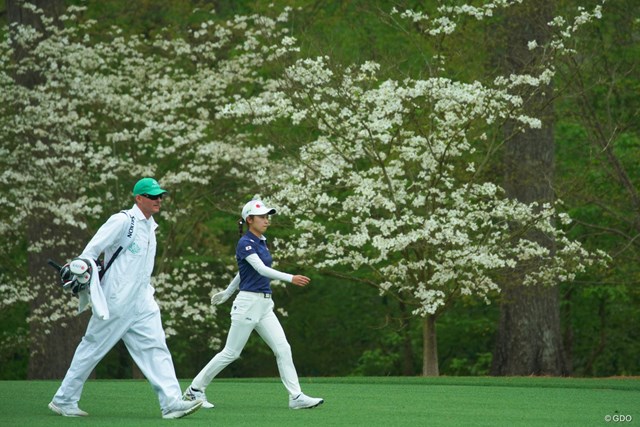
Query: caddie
131, 312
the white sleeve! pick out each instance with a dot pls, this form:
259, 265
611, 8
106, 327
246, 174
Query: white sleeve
234, 285
265, 271
108, 235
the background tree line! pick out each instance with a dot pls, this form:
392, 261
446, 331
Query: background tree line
590, 121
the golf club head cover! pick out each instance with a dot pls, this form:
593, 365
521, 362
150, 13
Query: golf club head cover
81, 268
65, 275
73, 285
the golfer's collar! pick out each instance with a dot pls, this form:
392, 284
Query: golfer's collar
252, 236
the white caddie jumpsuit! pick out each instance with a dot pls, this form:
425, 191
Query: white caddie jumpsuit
134, 315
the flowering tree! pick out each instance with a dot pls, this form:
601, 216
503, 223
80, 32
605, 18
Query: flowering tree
107, 110
389, 187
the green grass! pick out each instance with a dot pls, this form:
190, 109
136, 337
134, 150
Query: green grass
357, 401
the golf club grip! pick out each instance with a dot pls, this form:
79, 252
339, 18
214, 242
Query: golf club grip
54, 264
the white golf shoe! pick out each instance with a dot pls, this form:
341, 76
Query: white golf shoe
67, 411
304, 402
194, 394
182, 409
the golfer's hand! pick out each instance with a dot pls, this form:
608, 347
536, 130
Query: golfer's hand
300, 280
219, 298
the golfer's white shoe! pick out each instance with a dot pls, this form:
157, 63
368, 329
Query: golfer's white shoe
194, 394
181, 409
67, 411
304, 402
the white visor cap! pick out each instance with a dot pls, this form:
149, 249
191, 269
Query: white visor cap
256, 207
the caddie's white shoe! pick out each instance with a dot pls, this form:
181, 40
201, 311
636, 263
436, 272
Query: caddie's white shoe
181, 409
67, 411
304, 402
194, 394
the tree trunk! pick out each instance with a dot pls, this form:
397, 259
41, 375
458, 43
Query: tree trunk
430, 351
50, 352
407, 346
136, 373
529, 338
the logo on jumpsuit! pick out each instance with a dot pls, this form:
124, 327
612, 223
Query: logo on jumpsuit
133, 248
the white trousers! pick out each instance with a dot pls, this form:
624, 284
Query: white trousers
252, 311
145, 339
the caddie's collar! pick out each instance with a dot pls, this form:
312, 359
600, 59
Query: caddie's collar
137, 213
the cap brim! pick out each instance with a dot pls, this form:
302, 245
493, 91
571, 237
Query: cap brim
156, 192
263, 211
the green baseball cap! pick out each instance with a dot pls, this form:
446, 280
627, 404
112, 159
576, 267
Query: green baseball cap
147, 186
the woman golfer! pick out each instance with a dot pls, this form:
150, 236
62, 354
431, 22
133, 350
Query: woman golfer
253, 310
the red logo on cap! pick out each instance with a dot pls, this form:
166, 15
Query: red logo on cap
257, 205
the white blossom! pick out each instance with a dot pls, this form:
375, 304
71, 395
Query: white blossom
111, 111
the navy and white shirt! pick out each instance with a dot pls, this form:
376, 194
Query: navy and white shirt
250, 279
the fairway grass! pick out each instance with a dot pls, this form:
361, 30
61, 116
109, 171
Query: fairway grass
351, 401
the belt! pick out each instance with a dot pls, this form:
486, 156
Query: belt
259, 294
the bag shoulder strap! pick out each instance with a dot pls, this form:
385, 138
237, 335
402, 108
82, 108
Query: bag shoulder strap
128, 237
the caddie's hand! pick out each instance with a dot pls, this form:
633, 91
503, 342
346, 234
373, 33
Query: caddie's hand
219, 298
299, 280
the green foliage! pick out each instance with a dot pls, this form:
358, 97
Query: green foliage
331, 323
381, 361
601, 344
466, 337
14, 342
117, 364
463, 366
597, 139
150, 17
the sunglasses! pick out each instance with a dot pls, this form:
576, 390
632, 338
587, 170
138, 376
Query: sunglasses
150, 197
